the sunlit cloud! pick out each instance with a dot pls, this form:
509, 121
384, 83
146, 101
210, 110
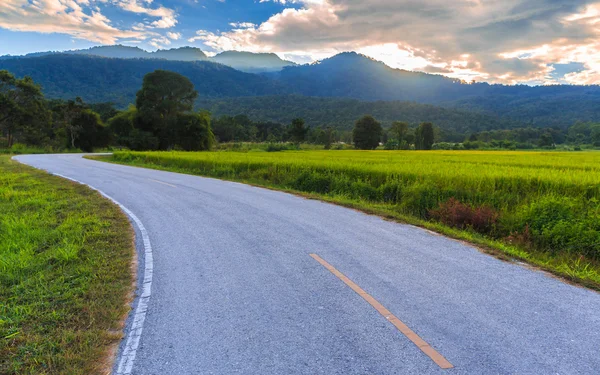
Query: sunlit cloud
507, 41
82, 19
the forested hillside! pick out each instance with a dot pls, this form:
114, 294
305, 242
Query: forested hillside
341, 113
347, 75
96, 79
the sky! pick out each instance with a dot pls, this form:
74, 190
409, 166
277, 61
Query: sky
499, 41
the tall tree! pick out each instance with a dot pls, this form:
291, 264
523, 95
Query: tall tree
194, 132
297, 131
163, 96
366, 133
424, 136
70, 111
21, 106
398, 130
91, 133
328, 138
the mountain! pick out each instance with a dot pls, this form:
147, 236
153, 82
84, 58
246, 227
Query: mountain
96, 79
180, 54
118, 51
357, 76
252, 62
352, 75
34, 54
243, 61
348, 75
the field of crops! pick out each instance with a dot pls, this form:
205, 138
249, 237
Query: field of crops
541, 201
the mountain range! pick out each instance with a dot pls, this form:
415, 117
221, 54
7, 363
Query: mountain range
243, 61
116, 77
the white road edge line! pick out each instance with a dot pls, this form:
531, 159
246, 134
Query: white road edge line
133, 338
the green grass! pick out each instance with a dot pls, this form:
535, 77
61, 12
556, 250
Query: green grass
540, 207
65, 274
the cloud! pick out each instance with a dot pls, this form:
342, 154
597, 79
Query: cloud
242, 25
167, 17
471, 39
173, 36
81, 19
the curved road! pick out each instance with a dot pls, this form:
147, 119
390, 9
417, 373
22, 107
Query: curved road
235, 289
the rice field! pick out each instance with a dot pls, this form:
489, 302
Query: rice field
545, 202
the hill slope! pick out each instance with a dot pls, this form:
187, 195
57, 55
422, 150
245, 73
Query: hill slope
252, 62
342, 113
347, 75
117, 80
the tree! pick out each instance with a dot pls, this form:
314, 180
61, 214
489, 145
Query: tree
398, 131
328, 138
366, 133
69, 112
193, 131
163, 96
595, 135
122, 126
424, 136
297, 131
22, 106
546, 140
91, 132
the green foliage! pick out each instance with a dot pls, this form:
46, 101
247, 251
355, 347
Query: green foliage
424, 136
91, 133
481, 106
340, 113
123, 124
546, 140
193, 131
163, 117
106, 110
100, 79
65, 276
366, 133
23, 113
297, 131
163, 96
399, 131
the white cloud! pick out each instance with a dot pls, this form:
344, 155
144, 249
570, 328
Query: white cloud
82, 19
62, 16
159, 42
174, 36
167, 17
470, 39
242, 25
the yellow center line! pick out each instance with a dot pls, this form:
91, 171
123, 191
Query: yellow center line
410, 334
164, 183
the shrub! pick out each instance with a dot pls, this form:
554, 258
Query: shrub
459, 215
312, 182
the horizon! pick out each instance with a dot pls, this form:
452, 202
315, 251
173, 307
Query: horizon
517, 42
210, 55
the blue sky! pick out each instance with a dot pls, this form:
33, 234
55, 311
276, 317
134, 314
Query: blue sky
211, 15
508, 41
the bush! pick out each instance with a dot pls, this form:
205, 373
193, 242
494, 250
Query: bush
276, 147
312, 182
459, 215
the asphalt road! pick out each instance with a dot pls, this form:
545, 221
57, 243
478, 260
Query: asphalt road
235, 291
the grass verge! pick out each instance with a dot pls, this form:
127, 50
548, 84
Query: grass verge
65, 274
569, 266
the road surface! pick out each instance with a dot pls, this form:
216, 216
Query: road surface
246, 280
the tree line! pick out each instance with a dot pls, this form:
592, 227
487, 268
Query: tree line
164, 118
